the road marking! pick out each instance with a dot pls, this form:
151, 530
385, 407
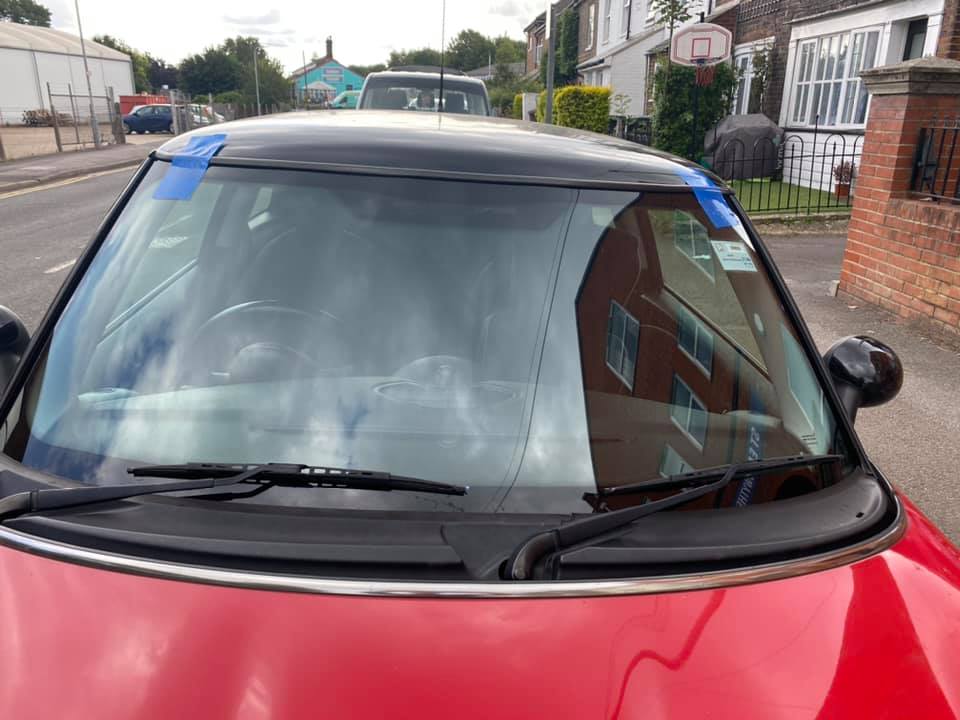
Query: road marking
58, 268
61, 183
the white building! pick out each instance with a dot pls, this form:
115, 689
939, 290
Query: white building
824, 105
31, 57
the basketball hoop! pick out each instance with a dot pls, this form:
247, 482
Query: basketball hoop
703, 46
705, 74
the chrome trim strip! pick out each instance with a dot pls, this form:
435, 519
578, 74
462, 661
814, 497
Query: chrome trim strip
377, 588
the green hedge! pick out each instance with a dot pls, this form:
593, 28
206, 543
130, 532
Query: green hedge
583, 107
518, 106
578, 106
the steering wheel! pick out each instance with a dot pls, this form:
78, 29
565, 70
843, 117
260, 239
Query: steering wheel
262, 341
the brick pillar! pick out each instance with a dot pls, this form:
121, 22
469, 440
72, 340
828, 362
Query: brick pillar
903, 252
948, 45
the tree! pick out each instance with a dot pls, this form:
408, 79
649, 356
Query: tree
566, 49
141, 63
673, 128
671, 13
507, 50
470, 50
364, 70
160, 73
215, 71
422, 56
26, 12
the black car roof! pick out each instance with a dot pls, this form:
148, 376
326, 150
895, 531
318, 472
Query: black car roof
435, 144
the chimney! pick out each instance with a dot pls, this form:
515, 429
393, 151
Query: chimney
329, 46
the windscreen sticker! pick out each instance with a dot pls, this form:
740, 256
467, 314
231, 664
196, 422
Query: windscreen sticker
733, 256
188, 166
755, 443
710, 197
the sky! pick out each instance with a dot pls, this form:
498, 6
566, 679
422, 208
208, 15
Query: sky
364, 31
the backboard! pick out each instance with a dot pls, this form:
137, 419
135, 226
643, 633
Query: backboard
701, 44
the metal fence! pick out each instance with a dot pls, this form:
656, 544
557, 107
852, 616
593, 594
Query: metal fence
936, 171
803, 174
79, 119
635, 129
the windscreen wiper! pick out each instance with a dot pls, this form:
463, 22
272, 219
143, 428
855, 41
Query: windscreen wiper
598, 528
202, 476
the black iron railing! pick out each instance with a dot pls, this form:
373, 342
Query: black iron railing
936, 170
804, 173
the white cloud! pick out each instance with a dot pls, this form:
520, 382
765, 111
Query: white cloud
270, 18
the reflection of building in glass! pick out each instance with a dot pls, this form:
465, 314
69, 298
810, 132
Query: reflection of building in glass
674, 376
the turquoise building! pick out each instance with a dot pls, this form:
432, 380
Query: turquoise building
325, 78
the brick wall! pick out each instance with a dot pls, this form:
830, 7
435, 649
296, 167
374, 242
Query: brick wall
587, 46
903, 250
949, 43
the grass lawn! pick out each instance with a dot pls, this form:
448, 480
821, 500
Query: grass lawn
767, 195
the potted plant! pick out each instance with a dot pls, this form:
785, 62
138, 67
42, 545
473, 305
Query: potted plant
843, 174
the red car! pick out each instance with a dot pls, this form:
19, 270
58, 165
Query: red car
369, 415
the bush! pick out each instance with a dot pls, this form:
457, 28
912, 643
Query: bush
673, 107
501, 100
518, 106
542, 104
583, 107
228, 97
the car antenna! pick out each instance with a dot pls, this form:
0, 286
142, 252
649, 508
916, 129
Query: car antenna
443, 36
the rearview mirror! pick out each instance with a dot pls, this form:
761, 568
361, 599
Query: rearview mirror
13, 343
865, 372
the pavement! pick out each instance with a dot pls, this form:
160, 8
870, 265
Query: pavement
42, 169
913, 439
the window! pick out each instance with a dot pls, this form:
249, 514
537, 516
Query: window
688, 412
692, 240
671, 463
625, 18
623, 332
828, 90
743, 63
696, 341
591, 25
606, 20
539, 53
916, 39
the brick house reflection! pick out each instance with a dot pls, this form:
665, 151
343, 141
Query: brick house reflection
666, 389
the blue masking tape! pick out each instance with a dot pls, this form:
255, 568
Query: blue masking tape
710, 198
188, 166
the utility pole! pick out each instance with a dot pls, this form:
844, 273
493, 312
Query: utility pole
256, 73
86, 71
551, 65
304, 98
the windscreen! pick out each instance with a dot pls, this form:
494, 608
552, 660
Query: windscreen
533, 343
405, 92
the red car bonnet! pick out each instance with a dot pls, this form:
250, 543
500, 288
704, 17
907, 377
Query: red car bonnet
877, 639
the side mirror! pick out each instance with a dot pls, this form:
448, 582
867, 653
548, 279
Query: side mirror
865, 371
13, 343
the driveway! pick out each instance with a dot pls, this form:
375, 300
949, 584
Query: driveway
913, 439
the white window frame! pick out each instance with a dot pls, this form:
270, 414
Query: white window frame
692, 255
816, 69
625, 17
684, 426
671, 455
606, 19
538, 53
741, 100
591, 25
700, 331
625, 351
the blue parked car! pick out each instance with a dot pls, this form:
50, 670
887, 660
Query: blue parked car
148, 118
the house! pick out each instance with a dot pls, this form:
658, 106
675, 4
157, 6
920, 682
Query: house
815, 51
324, 78
536, 33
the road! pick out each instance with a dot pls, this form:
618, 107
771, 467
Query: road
911, 439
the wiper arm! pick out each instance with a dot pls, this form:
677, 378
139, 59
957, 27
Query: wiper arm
595, 528
202, 476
